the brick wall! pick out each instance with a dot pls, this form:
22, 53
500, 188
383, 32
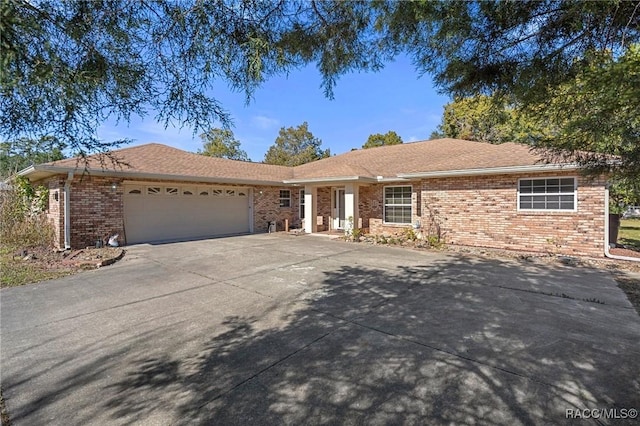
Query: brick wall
482, 211
475, 211
324, 208
372, 208
266, 208
97, 210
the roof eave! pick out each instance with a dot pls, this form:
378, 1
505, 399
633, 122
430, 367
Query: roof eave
490, 171
331, 180
46, 171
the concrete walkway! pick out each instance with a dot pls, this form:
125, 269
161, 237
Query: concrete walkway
275, 329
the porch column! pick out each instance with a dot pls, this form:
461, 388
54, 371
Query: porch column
351, 206
310, 209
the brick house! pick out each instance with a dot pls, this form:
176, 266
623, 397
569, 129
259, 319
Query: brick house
471, 193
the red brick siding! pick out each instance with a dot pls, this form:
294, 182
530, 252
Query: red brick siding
97, 210
372, 208
266, 208
482, 211
324, 208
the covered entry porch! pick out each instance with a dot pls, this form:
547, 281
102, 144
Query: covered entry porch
342, 214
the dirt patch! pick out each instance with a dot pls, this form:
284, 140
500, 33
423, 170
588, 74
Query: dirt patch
88, 258
631, 287
32, 265
627, 252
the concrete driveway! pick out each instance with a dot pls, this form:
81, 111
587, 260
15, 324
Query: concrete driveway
276, 329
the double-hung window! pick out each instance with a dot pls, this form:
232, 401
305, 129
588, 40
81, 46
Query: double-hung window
547, 194
397, 204
285, 198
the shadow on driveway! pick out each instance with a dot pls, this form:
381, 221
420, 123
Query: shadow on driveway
456, 341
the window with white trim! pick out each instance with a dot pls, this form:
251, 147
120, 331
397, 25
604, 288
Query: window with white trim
285, 198
397, 204
547, 194
302, 204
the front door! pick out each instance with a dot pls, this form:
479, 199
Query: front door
338, 209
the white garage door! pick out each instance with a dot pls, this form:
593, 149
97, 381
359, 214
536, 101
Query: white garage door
174, 212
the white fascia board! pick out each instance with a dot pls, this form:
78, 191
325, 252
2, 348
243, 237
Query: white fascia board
391, 179
154, 176
490, 171
335, 179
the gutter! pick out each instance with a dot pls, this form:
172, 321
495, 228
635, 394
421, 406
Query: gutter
155, 176
490, 171
606, 232
67, 211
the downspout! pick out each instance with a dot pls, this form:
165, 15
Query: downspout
606, 231
67, 211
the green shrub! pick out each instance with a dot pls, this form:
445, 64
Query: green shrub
435, 241
409, 234
22, 219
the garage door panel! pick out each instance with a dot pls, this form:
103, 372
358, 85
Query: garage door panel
150, 217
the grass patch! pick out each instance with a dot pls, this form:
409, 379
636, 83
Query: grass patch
16, 271
629, 234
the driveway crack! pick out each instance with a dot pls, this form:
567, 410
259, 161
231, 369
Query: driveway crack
267, 368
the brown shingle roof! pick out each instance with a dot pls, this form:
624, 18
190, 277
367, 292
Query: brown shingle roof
160, 159
439, 155
426, 156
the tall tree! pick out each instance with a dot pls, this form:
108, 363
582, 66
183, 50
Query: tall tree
598, 113
295, 146
536, 53
222, 144
68, 66
491, 119
378, 139
22, 153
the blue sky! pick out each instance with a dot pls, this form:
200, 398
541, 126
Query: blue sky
364, 103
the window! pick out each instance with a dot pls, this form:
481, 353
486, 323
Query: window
230, 192
217, 192
285, 198
397, 204
154, 190
547, 194
170, 190
302, 204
